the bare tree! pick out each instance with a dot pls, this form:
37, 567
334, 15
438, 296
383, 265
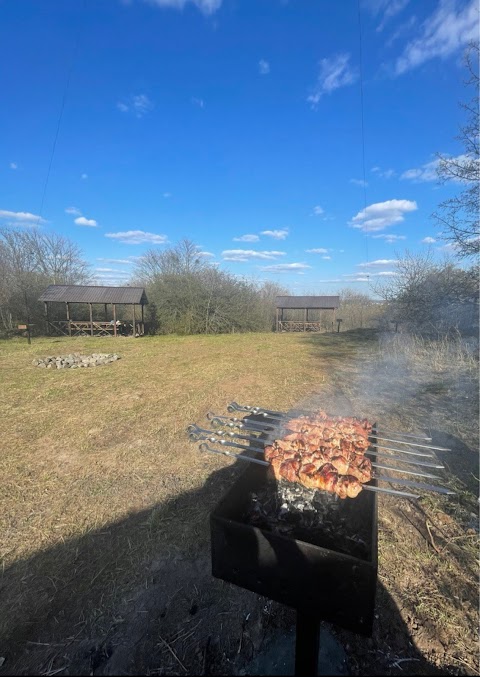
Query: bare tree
29, 261
458, 216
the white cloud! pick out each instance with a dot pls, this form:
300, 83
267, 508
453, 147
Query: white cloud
286, 268
112, 270
388, 9
139, 105
137, 237
276, 234
335, 72
73, 210
246, 238
389, 238
451, 27
205, 6
167, 195
198, 102
242, 255
128, 261
20, 218
318, 250
382, 214
263, 67
206, 254
13, 165
428, 240
427, 172
326, 258
359, 182
318, 211
384, 173
84, 177
82, 221
366, 276
378, 262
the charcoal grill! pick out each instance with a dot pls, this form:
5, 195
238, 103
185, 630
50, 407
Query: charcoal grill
320, 579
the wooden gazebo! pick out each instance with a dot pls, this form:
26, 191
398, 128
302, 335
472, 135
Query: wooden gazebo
70, 294
304, 306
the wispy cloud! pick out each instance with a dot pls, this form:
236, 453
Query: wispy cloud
378, 263
428, 240
167, 194
206, 254
286, 268
428, 171
451, 27
318, 210
205, 6
20, 218
359, 182
246, 238
382, 214
13, 165
276, 234
128, 261
82, 221
335, 72
198, 102
387, 8
243, 255
138, 105
84, 177
112, 270
73, 210
137, 237
318, 250
384, 173
263, 67
389, 238
326, 258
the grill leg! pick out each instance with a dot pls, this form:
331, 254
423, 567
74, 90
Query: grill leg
307, 644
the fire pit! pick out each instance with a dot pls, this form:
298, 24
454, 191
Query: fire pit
308, 549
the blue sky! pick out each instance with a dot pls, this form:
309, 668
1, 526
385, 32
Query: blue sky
237, 124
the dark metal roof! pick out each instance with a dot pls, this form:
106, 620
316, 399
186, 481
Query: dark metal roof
72, 293
325, 302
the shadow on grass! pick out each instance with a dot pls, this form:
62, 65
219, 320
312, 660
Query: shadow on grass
137, 597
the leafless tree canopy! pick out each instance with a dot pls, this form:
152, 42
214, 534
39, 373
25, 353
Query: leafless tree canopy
458, 216
192, 296
29, 261
431, 297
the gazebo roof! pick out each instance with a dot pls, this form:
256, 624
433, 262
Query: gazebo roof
72, 293
322, 302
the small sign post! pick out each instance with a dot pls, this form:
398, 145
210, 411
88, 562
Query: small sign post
26, 327
338, 325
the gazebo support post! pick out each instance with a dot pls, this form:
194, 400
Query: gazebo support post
68, 319
133, 325
47, 326
143, 320
106, 313
305, 319
114, 308
91, 319
276, 319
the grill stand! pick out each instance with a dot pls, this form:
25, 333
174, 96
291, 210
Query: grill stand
307, 644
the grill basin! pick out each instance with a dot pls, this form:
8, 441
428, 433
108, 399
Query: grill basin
321, 583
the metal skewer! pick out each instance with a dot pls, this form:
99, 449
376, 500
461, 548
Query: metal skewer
367, 487
196, 434
226, 443
268, 413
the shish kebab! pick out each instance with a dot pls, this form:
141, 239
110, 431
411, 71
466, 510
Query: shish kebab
280, 416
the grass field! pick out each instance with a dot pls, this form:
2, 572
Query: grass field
104, 505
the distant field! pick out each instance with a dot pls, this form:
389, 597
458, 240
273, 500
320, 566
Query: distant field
104, 504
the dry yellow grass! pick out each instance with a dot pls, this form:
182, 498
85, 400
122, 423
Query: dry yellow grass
101, 490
